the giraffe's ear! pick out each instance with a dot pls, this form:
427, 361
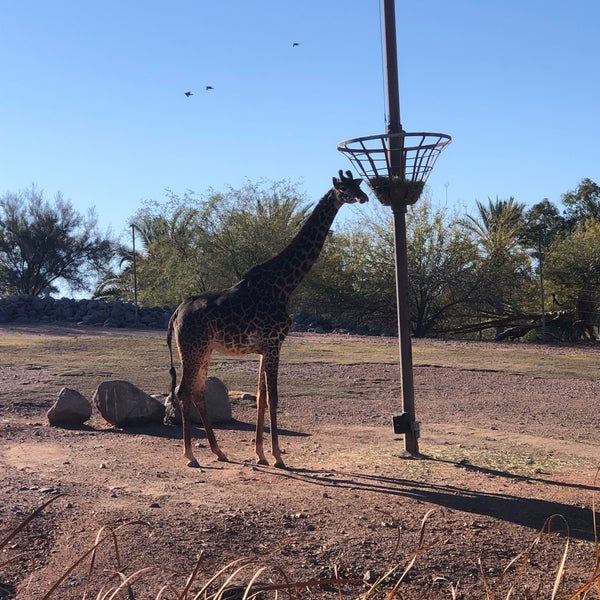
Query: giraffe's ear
336, 181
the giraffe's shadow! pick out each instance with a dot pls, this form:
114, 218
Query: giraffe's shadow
236, 425
522, 509
172, 432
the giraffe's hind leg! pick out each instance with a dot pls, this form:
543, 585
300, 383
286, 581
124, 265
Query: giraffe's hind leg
184, 397
193, 383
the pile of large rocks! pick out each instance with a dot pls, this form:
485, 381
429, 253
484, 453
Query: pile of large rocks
33, 309
123, 404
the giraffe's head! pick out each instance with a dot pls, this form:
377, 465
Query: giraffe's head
347, 189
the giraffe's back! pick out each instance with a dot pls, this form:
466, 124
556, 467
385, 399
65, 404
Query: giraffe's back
236, 321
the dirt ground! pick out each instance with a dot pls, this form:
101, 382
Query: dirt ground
502, 453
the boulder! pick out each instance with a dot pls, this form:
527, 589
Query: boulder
217, 401
70, 408
121, 403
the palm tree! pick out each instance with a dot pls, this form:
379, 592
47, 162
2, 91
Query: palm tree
503, 264
498, 226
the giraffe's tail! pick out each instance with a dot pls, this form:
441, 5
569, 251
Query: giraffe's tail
172, 370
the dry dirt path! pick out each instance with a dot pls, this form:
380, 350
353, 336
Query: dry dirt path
503, 452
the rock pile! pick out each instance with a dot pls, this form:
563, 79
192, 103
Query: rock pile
32, 309
123, 404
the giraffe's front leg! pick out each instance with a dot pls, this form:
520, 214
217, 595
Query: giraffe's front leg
273, 399
261, 403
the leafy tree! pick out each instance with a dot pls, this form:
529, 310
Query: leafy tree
582, 203
43, 243
543, 222
441, 263
355, 274
504, 268
190, 245
170, 264
117, 285
573, 269
249, 225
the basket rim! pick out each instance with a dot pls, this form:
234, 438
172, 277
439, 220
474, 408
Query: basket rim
443, 138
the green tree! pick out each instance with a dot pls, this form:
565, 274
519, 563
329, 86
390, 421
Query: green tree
250, 224
573, 271
43, 244
362, 282
167, 241
583, 203
355, 274
543, 223
441, 263
503, 265
171, 264
191, 245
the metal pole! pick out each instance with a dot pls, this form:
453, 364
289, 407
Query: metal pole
397, 169
396, 144
391, 61
411, 438
542, 294
135, 300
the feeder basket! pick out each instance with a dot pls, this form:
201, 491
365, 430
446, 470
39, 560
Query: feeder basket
396, 165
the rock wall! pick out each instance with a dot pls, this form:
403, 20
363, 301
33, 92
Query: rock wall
31, 309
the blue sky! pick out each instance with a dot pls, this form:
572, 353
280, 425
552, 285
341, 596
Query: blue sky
92, 95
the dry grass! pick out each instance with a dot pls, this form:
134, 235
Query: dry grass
256, 578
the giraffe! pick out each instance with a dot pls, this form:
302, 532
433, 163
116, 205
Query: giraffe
250, 317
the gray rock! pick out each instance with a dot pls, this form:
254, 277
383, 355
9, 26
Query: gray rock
217, 401
70, 408
121, 403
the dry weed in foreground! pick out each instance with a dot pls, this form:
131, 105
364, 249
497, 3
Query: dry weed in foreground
271, 581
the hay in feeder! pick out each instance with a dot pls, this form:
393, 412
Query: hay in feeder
396, 190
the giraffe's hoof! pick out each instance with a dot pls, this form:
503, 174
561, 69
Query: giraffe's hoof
193, 463
222, 458
262, 461
280, 464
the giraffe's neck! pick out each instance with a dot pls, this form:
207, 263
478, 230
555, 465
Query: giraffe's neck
284, 272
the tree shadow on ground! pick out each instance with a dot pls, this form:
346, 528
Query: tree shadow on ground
523, 510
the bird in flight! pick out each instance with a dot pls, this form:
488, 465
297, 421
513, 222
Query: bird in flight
188, 94
295, 44
210, 87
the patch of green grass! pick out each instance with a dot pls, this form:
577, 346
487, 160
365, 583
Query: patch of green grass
513, 462
338, 353
521, 359
543, 361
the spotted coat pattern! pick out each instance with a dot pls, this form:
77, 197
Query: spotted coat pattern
250, 317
